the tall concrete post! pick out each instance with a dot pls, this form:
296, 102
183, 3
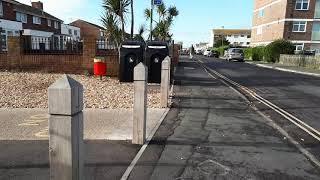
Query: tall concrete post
66, 129
140, 104
165, 82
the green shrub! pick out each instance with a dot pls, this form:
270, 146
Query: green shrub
273, 50
221, 50
258, 53
247, 53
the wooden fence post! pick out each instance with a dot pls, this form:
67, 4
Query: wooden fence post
66, 129
140, 104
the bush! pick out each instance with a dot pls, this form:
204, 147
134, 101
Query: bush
273, 50
258, 53
247, 53
221, 50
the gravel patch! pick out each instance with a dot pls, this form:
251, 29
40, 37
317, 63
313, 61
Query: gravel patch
29, 90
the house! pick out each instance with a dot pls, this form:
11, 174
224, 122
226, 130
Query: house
202, 46
40, 29
89, 30
236, 37
296, 21
71, 32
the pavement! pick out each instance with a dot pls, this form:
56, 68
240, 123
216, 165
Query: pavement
105, 124
286, 68
107, 133
212, 132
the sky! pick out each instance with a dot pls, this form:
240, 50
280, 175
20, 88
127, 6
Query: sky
196, 20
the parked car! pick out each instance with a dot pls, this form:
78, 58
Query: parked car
206, 52
198, 51
215, 54
235, 54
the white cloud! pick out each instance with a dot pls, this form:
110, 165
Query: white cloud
66, 10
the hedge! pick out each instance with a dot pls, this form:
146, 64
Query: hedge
221, 50
255, 54
273, 50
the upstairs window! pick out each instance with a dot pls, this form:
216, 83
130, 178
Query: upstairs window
1, 9
21, 17
302, 4
76, 32
299, 26
36, 20
70, 32
56, 25
261, 13
49, 22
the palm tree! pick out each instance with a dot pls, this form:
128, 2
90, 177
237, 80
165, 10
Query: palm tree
118, 9
113, 32
132, 20
139, 36
166, 17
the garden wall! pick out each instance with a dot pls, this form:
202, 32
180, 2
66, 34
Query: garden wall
16, 59
312, 62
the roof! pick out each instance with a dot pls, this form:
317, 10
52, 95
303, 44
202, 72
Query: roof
80, 20
23, 8
231, 31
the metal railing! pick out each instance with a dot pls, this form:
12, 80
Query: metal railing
52, 45
104, 46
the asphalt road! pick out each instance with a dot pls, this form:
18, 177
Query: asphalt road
213, 133
295, 93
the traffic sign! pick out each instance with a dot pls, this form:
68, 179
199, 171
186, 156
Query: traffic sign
157, 2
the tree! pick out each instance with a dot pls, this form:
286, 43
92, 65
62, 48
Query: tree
166, 17
221, 41
139, 36
117, 9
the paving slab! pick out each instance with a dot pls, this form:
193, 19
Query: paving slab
105, 124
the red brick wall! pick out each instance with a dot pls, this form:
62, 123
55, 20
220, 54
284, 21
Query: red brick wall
87, 30
14, 59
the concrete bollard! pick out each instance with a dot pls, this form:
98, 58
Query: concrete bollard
140, 104
165, 82
66, 129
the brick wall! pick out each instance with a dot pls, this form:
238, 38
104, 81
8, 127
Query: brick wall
14, 59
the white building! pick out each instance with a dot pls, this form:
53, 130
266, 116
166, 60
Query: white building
236, 37
71, 31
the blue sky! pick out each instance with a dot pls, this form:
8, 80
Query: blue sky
196, 19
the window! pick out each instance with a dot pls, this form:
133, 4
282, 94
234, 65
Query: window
261, 13
1, 9
3, 39
75, 32
302, 4
299, 26
249, 36
70, 32
299, 47
49, 22
242, 35
21, 17
56, 25
236, 36
36, 20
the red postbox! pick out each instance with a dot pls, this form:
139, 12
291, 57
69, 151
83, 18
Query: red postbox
100, 66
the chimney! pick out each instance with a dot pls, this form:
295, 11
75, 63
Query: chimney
37, 4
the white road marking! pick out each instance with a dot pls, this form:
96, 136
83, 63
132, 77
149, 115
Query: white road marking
304, 151
127, 173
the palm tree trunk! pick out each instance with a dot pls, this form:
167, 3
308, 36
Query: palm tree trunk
122, 28
132, 20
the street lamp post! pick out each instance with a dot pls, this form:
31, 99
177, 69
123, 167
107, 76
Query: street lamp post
222, 36
151, 19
